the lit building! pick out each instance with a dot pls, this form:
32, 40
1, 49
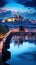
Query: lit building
11, 19
4, 19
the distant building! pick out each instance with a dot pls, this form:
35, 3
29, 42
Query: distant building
17, 18
11, 19
4, 20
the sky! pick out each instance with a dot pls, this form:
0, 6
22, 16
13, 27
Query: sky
18, 5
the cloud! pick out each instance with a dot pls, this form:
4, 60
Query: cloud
2, 3
28, 3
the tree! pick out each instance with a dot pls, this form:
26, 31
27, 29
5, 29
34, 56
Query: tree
3, 29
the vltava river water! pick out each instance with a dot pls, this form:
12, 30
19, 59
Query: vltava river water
24, 54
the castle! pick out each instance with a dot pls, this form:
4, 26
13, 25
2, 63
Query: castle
12, 19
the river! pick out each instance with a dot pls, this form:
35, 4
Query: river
24, 54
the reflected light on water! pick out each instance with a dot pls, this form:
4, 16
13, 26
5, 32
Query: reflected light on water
19, 54
25, 47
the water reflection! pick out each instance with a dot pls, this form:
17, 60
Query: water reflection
22, 52
17, 39
22, 55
